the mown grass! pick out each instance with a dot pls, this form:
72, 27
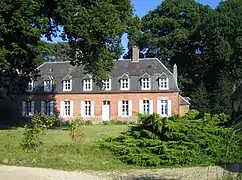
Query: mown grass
58, 151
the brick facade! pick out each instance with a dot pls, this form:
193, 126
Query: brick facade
112, 97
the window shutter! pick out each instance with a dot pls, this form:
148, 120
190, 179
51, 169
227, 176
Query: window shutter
45, 86
128, 84
70, 85
169, 107
62, 104
71, 108
32, 107
23, 108
51, 85
51, 107
92, 108
141, 106
130, 107
119, 108
158, 107
91, 84
82, 108
63, 86
42, 106
151, 106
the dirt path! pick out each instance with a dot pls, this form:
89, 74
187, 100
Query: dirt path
27, 173
193, 173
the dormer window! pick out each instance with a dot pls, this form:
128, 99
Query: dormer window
47, 85
48, 81
67, 83
30, 86
145, 82
163, 82
87, 83
124, 82
107, 84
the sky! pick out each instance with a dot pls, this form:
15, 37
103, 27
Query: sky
142, 7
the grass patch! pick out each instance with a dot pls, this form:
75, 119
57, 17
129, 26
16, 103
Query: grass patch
58, 151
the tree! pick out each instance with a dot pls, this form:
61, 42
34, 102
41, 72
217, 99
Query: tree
202, 41
88, 25
200, 99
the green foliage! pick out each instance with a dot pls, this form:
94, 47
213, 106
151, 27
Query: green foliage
77, 134
176, 141
203, 42
88, 26
35, 130
117, 122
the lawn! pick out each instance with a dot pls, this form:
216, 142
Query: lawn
58, 151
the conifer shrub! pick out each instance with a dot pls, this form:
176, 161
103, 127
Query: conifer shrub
176, 141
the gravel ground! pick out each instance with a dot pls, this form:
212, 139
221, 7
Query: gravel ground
193, 173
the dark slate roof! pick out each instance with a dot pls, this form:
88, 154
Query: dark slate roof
135, 70
184, 100
238, 92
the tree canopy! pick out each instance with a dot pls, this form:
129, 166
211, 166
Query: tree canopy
92, 28
205, 43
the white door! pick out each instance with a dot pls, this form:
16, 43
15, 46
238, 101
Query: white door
106, 110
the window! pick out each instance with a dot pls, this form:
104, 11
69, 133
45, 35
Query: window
163, 82
146, 106
107, 84
124, 84
87, 108
30, 86
125, 108
87, 84
47, 107
145, 84
67, 108
164, 108
47, 85
67, 85
27, 108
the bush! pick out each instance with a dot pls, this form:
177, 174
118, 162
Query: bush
77, 134
35, 130
176, 141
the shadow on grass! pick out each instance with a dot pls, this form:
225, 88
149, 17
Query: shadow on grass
147, 177
232, 167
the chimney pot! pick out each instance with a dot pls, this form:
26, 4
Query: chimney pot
175, 72
135, 54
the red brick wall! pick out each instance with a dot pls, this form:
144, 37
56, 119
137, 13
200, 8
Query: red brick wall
113, 98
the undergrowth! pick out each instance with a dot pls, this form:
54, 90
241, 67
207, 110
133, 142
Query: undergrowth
189, 140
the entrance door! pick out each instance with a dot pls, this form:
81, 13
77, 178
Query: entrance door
106, 110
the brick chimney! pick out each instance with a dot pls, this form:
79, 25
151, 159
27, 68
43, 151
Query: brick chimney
135, 54
175, 72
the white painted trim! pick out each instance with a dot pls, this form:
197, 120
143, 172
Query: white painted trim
142, 80
125, 89
185, 99
85, 83
63, 84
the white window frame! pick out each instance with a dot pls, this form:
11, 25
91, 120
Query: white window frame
125, 108
164, 107
107, 84
125, 84
163, 81
146, 106
30, 86
145, 84
48, 86
28, 108
67, 109
47, 107
87, 85
65, 85
87, 108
